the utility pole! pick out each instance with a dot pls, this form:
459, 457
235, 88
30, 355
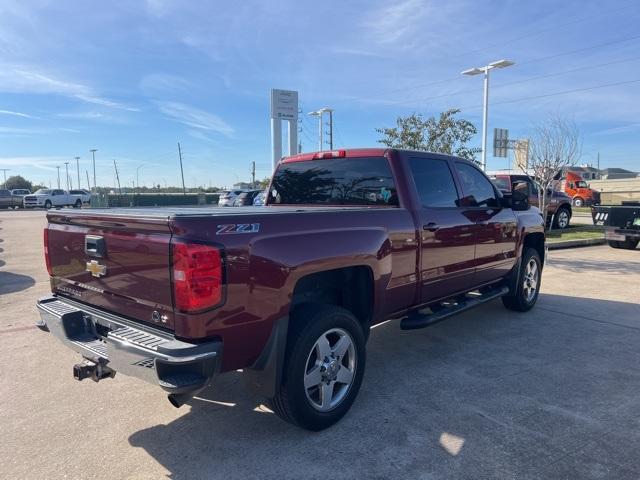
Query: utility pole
330, 129
485, 109
253, 174
138, 176
88, 184
115, 165
66, 166
5, 170
58, 167
184, 189
93, 154
78, 170
598, 163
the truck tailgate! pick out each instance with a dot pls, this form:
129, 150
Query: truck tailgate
120, 264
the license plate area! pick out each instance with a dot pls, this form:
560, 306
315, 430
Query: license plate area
612, 235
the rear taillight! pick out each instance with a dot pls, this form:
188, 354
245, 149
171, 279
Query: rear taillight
197, 276
330, 154
47, 261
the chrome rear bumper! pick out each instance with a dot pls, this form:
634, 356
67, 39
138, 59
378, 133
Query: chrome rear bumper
131, 349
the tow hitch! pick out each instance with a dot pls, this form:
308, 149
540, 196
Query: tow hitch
92, 370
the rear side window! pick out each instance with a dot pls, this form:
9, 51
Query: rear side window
335, 181
434, 182
475, 184
502, 183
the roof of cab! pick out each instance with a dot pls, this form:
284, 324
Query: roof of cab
342, 153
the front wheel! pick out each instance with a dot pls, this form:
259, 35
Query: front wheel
578, 202
78, 204
324, 365
523, 294
47, 204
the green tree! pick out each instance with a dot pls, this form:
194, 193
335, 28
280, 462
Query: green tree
17, 181
446, 134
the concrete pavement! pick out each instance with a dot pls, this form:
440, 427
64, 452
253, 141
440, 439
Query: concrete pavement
553, 393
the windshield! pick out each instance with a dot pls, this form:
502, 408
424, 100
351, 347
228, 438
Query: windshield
43, 191
338, 181
582, 184
501, 182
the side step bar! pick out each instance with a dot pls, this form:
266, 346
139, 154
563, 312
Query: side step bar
443, 310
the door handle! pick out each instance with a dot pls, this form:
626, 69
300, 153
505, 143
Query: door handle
431, 227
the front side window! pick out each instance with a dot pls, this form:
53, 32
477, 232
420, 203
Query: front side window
434, 182
476, 188
336, 181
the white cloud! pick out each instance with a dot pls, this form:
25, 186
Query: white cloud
43, 163
21, 79
194, 117
16, 114
631, 127
163, 82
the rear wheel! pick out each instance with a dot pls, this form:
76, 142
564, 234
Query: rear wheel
628, 244
324, 365
578, 202
562, 218
78, 204
47, 204
524, 291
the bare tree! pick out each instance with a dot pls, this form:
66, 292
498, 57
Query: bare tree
554, 146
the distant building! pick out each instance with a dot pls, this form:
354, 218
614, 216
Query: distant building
243, 186
585, 171
615, 173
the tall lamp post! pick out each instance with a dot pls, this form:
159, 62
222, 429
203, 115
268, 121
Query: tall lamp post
485, 109
93, 154
66, 166
137, 176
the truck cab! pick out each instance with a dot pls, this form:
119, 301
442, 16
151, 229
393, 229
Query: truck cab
580, 192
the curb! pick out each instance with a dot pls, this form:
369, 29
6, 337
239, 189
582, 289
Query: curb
587, 242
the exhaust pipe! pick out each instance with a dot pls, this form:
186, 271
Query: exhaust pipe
179, 399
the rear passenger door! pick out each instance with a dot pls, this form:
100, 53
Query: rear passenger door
495, 250
446, 235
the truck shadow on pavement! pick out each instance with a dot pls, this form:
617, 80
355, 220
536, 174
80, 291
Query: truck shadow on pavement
14, 282
487, 394
578, 266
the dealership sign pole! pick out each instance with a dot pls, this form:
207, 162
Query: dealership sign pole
284, 106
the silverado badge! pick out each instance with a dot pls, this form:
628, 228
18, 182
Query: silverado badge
96, 269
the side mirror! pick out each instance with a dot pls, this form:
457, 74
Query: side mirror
520, 192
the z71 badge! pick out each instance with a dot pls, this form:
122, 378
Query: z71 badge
238, 228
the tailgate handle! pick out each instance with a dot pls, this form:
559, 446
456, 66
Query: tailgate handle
94, 246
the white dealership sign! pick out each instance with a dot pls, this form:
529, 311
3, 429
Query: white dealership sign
284, 106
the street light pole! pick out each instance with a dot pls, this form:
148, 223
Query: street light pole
58, 167
93, 154
66, 166
485, 107
137, 176
320, 114
78, 169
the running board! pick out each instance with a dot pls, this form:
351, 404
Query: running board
443, 310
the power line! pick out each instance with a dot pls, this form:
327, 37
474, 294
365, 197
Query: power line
519, 64
604, 85
529, 79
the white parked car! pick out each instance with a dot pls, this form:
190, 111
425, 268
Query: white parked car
228, 199
48, 198
82, 194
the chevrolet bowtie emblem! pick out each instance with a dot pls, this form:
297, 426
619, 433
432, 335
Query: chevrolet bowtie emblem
96, 269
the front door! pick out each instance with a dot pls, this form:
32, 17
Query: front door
447, 240
496, 233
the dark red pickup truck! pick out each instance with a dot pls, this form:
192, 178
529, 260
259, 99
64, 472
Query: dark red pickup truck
288, 292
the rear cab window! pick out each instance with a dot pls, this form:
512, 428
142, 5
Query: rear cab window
434, 182
364, 181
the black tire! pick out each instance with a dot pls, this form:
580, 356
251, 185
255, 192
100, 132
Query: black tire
578, 202
558, 219
308, 325
518, 299
47, 204
78, 204
628, 244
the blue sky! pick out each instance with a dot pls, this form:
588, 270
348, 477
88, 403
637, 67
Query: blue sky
132, 78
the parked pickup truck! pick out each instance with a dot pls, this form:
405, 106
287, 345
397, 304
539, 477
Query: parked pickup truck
559, 206
621, 222
52, 198
288, 292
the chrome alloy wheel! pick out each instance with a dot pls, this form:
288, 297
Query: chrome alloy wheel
330, 369
563, 219
531, 277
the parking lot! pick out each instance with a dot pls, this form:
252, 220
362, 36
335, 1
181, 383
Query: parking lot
553, 393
